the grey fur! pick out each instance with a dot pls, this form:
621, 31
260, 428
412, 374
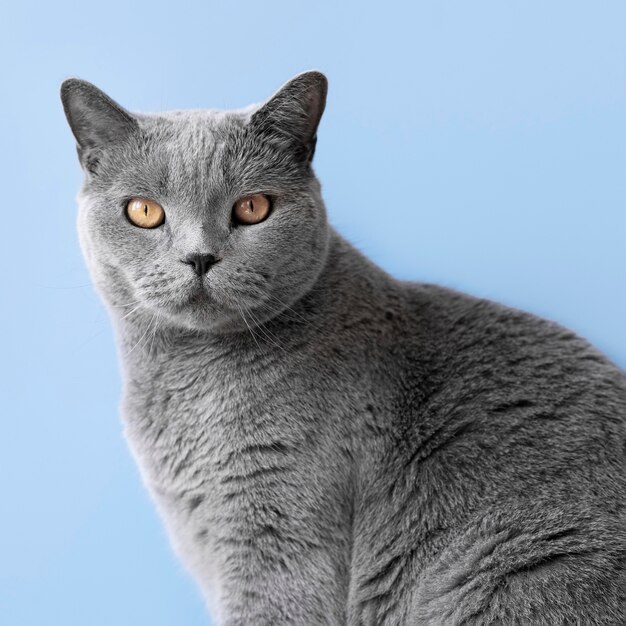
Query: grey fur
326, 444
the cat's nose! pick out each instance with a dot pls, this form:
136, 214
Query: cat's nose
201, 262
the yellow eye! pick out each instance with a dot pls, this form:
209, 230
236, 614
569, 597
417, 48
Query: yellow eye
145, 213
251, 209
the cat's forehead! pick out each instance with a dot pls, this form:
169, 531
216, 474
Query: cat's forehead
194, 150
187, 147
192, 131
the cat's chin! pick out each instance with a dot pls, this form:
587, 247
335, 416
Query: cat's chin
202, 312
204, 321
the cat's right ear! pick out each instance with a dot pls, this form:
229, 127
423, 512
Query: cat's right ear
95, 119
293, 113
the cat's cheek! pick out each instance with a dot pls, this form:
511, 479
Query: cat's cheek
84, 239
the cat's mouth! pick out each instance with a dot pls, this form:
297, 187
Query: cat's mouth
197, 292
192, 297
199, 296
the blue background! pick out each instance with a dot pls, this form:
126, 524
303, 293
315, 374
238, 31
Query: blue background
481, 145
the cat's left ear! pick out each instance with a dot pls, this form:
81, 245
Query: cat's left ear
293, 113
95, 119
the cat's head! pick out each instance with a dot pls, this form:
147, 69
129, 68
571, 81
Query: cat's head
205, 217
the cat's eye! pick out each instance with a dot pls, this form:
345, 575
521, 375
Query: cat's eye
251, 209
145, 213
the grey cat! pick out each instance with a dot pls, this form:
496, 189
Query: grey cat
326, 444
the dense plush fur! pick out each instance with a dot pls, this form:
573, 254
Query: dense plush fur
326, 444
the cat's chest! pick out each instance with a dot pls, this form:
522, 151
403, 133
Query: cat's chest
189, 422
229, 450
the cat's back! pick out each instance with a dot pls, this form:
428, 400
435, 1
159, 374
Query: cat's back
493, 352
522, 388
507, 463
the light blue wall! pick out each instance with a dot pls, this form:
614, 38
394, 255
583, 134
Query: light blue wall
481, 145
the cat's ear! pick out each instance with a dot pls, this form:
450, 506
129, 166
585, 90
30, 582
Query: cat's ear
293, 113
95, 119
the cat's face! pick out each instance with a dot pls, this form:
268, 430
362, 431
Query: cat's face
195, 166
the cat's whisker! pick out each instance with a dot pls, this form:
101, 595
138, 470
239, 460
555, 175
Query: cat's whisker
279, 312
319, 328
65, 286
287, 307
156, 318
156, 325
92, 337
148, 326
271, 337
120, 306
276, 312
129, 313
243, 317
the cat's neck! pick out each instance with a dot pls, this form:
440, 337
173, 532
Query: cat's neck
346, 279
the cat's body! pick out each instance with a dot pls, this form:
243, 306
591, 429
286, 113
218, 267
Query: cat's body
359, 450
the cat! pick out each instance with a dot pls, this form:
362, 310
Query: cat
327, 444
